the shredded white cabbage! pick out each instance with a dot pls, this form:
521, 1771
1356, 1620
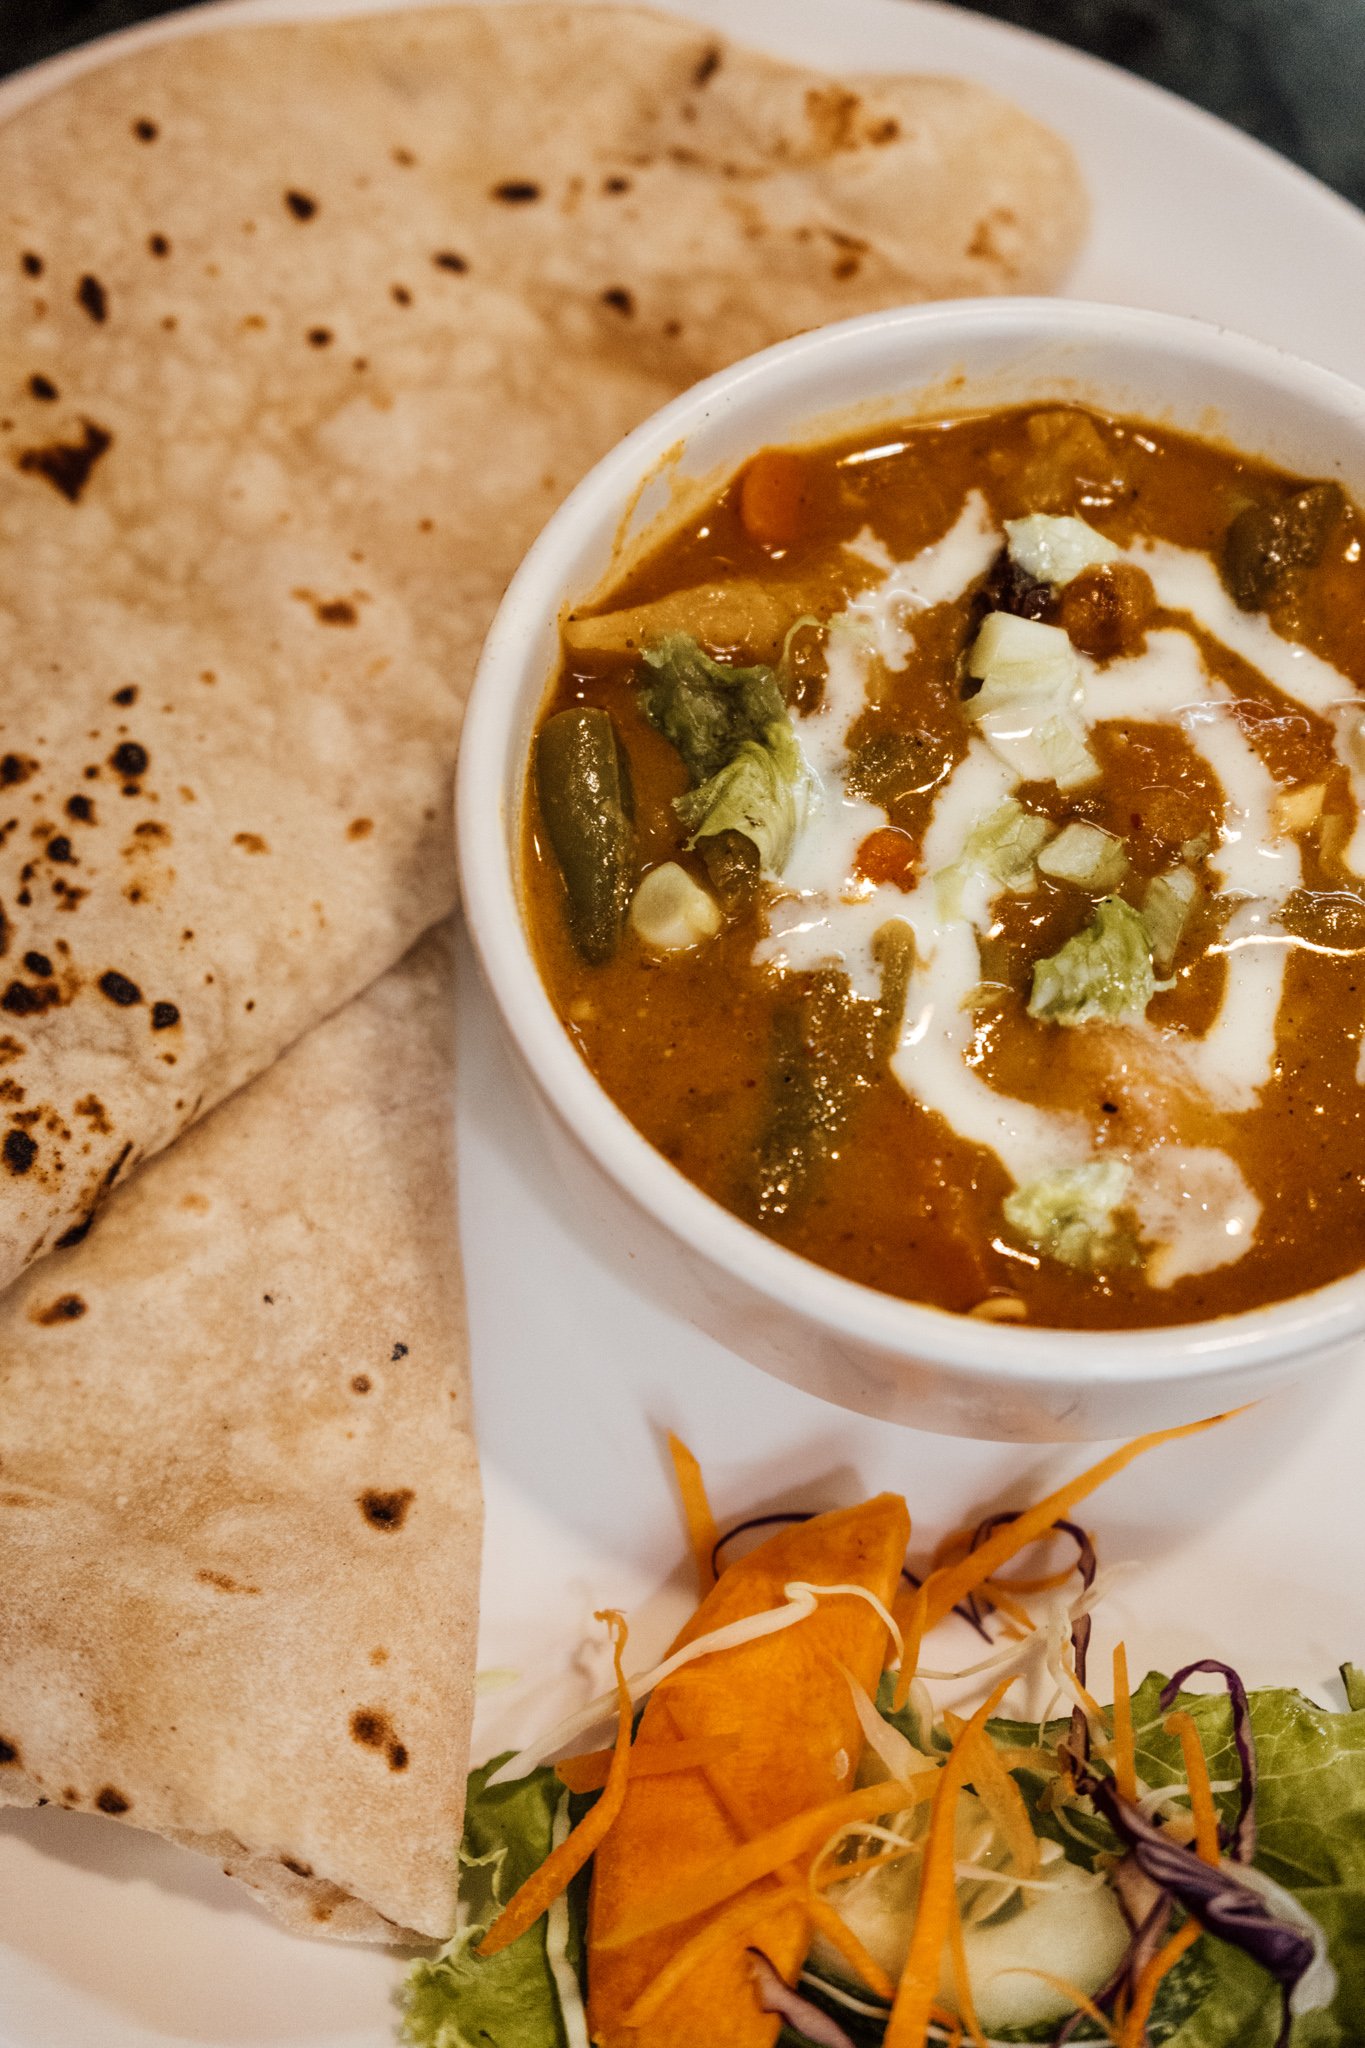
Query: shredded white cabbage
1086, 855
1030, 705
1056, 549
571, 2011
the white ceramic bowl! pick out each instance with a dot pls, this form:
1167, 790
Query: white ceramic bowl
848, 1343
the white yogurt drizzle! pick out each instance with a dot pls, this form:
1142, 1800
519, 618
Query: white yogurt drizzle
1191, 1202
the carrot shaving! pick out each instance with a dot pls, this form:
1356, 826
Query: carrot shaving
1003, 1801
997, 1595
962, 1976
563, 1864
1125, 1748
912, 1635
589, 1773
1202, 1808
844, 1873
910, 2014
841, 1936
752, 1860
1134, 2032
1080, 1999
727, 1927
702, 1532
950, 1583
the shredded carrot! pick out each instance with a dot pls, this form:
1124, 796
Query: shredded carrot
997, 1595
727, 1927
701, 1523
1134, 2032
563, 1864
912, 1637
950, 1583
841, 1936
706, 1889
1082, 2000
844, 1873
1202, 1808
1125, 1749
909, 2021
1003, 1801
962, 1977
589, 1773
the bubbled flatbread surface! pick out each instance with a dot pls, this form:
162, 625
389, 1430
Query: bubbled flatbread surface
303, 332
239, 1501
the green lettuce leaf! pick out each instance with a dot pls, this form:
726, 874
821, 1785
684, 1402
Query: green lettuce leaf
732, 729
1072, 1215
463, 2000
758, 794
1104, 972
705, 708
998, 853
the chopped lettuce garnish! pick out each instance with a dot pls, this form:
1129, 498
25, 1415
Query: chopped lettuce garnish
706, 708
1103, 974
464, 2000
759, 793
1054, 550
1166, 909
1073, 1214
732, 729
1029, 705
1086, 855
999, 853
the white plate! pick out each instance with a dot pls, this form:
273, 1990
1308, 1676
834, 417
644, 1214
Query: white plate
1245, 1539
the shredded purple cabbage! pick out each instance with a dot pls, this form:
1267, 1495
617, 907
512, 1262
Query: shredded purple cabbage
1240, 1838
1086, 1564
755, 1522
775, 1994
1219, 1901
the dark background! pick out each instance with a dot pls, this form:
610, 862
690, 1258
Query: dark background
1289, 71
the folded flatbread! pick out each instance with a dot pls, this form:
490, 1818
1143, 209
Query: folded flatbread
239, 1502
303, 332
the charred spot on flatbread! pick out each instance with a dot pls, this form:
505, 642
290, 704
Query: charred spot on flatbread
119, 988
67, 1308
9, 1751
164, 1016
43, 388
302, 205
386, 1510
516, 191
19, 1151
372, 1728
92, 298
67, 464
110, 1800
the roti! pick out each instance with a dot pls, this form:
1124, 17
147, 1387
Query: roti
239, 1500
303, 332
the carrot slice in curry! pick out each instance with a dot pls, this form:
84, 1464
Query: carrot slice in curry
796, 1740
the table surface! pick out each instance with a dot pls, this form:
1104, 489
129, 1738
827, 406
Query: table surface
1289, 71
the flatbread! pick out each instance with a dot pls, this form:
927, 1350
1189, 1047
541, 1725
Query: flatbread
304, 330
239, 1501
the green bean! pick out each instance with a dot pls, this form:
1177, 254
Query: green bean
1265, 542
583, 782
828, 1046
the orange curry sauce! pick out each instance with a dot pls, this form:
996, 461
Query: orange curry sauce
684, 1042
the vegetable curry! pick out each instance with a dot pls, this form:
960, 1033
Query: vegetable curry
950, 854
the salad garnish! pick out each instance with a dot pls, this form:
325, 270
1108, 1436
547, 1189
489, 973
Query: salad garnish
795, 1837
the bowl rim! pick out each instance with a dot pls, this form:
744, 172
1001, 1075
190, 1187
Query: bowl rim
844, 1310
